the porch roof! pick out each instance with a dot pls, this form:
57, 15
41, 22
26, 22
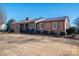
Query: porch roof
15, 23
31, 20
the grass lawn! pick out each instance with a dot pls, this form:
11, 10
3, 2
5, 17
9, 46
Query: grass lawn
37, 45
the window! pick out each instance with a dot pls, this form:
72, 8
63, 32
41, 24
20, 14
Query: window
30, 26
41, 25
54, 25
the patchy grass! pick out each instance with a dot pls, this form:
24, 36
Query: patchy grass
20, 44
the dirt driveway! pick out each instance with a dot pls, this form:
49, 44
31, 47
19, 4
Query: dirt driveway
26, 44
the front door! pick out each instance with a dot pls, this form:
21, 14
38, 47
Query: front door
21, 27
26, 27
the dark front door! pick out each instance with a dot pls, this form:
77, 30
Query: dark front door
26, 27
21, 27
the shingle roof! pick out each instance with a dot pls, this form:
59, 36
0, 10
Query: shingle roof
36, 20
31, 20
39, 20
56, 18
15, 22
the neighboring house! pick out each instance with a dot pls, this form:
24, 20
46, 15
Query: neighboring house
59, 24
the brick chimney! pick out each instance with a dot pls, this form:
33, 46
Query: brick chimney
27, 18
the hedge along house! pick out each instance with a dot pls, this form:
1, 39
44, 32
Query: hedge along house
58, 24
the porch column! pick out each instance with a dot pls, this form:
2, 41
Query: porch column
24, 26
34, 27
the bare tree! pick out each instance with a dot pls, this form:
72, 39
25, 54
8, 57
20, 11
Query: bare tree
76, 22
2, 16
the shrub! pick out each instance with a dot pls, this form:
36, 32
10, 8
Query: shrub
78, 32
11, 30
38, 32
55, 33
52, 32
62, 33
45, 32
31, 30
71, 30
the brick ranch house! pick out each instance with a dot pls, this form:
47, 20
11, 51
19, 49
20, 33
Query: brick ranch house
58, 24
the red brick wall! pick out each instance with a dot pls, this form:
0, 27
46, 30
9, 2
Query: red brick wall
47, 26
61, 25
16, 27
